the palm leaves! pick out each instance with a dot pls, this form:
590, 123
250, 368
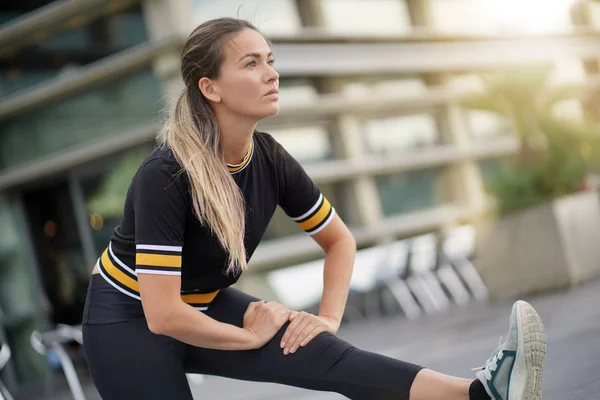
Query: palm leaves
556, 154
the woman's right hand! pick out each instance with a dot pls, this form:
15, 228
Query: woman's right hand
264, 320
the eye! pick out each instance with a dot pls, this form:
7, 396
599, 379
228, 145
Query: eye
251, 64
271, 62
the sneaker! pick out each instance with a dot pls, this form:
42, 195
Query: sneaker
514, 371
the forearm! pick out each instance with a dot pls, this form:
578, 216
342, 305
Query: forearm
339, 262
190, 326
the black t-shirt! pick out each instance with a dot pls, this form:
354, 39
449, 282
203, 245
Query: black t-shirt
159, 233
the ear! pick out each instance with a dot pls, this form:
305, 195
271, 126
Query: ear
209, 89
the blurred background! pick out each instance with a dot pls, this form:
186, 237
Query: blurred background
458, 139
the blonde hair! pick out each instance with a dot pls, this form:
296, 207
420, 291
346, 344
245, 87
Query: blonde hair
192, 133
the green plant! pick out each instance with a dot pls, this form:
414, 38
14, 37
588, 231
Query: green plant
556, 155
109, 198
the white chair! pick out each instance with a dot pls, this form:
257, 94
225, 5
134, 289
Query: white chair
4, 357
392, 268
300, 287
459, 246
422, 279
55, 340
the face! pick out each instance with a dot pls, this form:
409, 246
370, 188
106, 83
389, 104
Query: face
248, 85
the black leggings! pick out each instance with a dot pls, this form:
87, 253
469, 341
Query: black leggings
127, 361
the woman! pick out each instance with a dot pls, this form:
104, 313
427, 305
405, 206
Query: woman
160, 303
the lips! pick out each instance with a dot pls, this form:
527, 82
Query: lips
273, 91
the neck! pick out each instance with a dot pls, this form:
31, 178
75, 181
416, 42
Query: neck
235, 135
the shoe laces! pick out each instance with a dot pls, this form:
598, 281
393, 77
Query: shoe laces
492, 363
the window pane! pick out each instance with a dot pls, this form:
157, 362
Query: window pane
366, 16
112, 109
410, 191
391, 135
270, 16
501, 16
69, 50
306, 144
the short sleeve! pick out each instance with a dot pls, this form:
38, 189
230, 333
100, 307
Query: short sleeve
300, 198
160, 210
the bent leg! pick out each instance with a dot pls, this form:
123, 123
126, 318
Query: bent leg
327, 363
127, 361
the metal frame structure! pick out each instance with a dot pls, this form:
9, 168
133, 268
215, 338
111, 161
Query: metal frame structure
53, 18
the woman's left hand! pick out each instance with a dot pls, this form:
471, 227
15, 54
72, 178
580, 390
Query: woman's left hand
304, 328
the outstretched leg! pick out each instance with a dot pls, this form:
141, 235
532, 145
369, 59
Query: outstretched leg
327, 363
514, 371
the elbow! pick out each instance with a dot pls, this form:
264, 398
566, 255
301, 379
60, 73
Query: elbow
158, 326
160, 323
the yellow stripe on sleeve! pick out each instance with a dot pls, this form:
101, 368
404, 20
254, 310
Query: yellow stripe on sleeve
317, 218
158, 260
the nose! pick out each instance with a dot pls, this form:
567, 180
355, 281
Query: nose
271, 75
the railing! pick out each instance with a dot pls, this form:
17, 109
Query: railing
331, 57
53, 18
326, 106
86, 78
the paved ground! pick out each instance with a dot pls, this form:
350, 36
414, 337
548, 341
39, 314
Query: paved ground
458, 340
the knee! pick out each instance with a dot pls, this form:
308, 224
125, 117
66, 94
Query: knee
331, 346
